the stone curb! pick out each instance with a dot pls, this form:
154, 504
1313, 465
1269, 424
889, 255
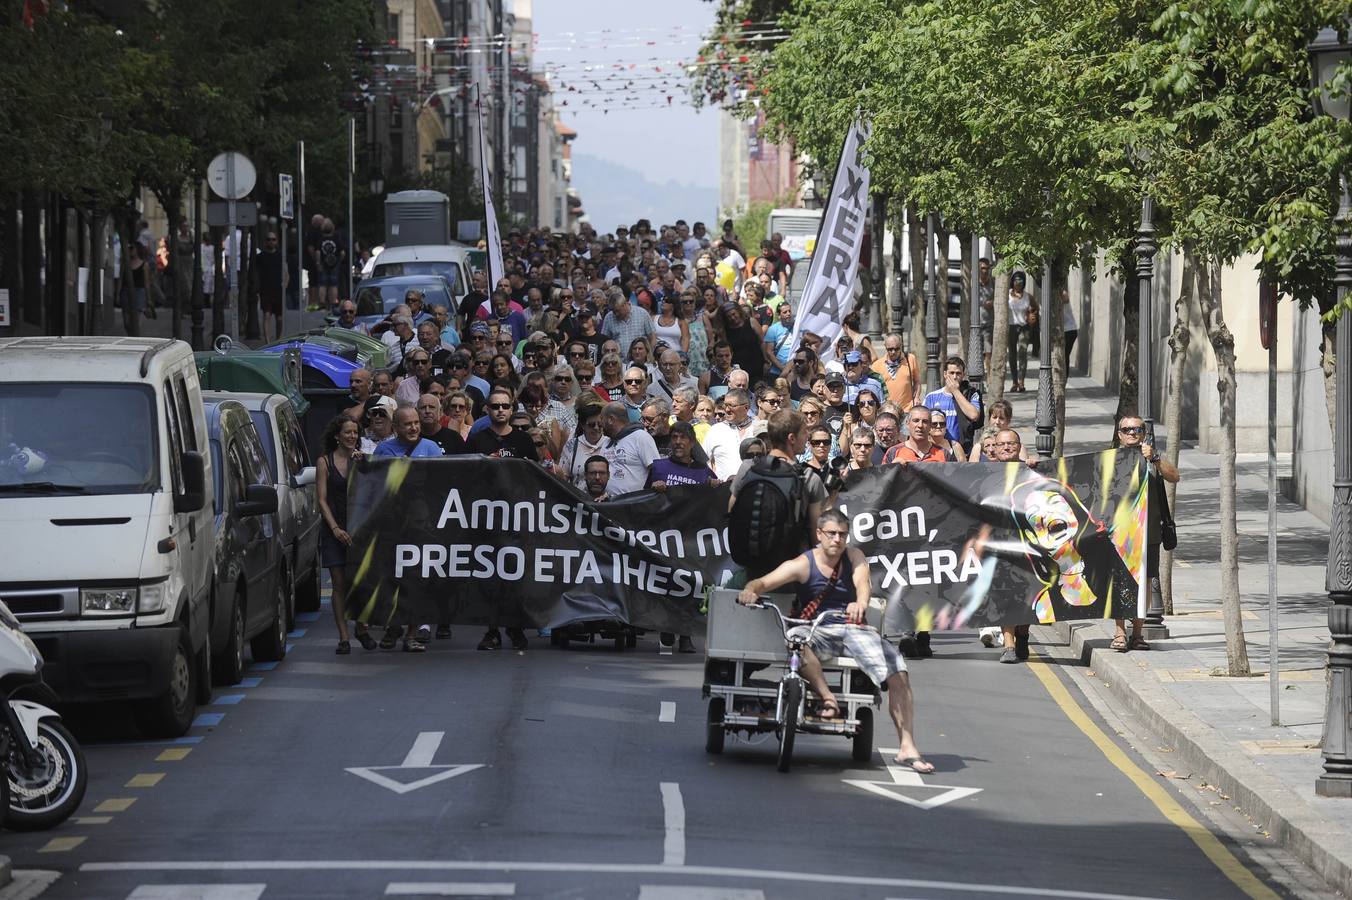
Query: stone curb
6, 871
1291, 819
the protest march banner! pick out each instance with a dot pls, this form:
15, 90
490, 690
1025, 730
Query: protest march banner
828, 292
469, 540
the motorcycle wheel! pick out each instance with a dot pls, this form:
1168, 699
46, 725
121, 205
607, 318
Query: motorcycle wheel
52, 791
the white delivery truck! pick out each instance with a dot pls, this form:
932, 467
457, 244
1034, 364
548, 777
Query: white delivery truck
106, 536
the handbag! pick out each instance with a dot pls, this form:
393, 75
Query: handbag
1032, 317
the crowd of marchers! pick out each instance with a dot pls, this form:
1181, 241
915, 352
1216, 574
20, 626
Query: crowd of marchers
649, 358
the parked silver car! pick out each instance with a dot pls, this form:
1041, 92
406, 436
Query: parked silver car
297, 506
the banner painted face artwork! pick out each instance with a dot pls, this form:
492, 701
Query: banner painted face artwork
960, 545
468, 540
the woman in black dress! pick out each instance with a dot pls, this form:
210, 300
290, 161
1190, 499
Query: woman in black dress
342, 441
744, 336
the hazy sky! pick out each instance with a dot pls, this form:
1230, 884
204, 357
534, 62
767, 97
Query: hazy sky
669, 143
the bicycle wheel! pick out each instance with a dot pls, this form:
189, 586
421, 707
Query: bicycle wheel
793, 704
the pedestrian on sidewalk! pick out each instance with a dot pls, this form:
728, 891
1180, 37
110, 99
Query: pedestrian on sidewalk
342, 449
1131, 434
1023, 332
1006, 448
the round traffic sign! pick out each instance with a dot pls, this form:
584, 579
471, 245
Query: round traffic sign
231, 175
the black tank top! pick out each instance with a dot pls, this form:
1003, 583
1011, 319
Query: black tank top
336, 492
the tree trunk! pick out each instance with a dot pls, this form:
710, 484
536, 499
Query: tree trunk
131, 319
1179, 339
1131, 323
916, 246
1328, 358
1060, 283
897, 308
995, 378
941, 289
32, 260
1223, 347
173, 203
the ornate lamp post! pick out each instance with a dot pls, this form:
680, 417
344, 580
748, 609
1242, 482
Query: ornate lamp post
877, 282
1155, 628
1046, 422
976, 346
933, 376
1328, 52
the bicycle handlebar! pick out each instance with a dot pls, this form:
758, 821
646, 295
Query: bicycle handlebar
784, 621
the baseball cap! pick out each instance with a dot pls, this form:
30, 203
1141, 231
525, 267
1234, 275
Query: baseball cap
479, 328
678, 264
833, 378
387, 404
853, 357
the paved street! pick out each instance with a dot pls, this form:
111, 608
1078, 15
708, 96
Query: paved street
582, 773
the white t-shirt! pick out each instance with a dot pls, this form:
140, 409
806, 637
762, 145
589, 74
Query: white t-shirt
1018, 308
723, 444
630, 457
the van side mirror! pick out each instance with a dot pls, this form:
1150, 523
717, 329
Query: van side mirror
259, 500
305, 478
194, 496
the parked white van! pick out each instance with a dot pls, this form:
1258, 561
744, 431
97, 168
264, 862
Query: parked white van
105, 519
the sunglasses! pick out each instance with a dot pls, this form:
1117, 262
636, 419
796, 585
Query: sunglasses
575, 354
820, 442
459, 364
633, 381
563, 378
499, 406
868, 402
772, 401
862, 444
1134, 429
539, 443
417, 362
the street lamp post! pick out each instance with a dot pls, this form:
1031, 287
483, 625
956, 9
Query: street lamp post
976, 347
1328, 52
1155, 628
878, 279
932, 375
1046, 421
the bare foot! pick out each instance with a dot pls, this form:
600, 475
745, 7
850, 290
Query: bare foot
911, 759
830, 709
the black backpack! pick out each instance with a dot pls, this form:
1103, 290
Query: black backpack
768, 522
328, 253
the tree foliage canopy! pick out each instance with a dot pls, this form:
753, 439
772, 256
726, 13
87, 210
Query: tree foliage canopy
97, 107
1042, 123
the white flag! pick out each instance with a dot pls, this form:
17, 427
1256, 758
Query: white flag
828, 293
493, 237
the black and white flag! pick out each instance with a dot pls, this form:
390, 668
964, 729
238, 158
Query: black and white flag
828, 293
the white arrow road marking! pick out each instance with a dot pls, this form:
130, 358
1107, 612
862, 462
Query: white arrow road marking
420, 756
906, 778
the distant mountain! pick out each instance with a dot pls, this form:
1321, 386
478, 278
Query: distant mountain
615, 194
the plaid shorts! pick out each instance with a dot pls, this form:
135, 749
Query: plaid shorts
877, 658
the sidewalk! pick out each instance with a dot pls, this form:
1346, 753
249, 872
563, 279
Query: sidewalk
1220, 726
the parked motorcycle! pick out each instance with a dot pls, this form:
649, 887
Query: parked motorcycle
44, 769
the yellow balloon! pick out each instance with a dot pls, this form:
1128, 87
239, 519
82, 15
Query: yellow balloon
727, 276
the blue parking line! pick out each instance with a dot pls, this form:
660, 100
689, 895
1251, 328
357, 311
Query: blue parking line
185, 741
249, 682
227, 699
307, 617
207, 720
262, 667
298, 633
290, 647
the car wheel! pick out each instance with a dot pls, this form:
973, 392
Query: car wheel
270, 646
229, 663
170, 715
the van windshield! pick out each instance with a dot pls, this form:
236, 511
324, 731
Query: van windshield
448, 269
77, 439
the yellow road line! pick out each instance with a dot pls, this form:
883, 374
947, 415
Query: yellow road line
145, 779
173, 754
1208, 843
119, 804
92, 820
61, 844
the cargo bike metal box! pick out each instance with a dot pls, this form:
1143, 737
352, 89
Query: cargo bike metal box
751, 680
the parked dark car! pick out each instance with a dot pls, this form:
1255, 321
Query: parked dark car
378, 297
250, 595
293, 475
